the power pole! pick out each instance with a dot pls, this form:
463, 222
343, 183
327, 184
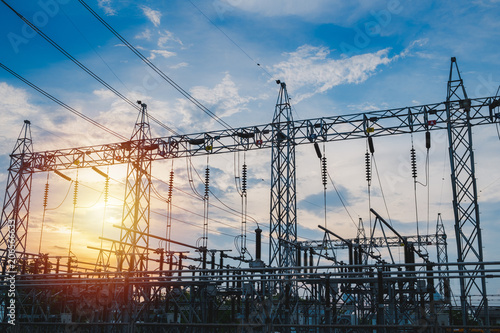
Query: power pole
465, 203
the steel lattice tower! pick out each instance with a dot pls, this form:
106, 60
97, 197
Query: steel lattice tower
16, 204
134, 239
442, 258
465, 203
283, 222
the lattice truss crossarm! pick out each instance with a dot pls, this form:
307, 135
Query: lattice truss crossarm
405, 120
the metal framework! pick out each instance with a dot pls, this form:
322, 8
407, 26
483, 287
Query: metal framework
136, 209
285, 293
465, 200
283, 222
16, 206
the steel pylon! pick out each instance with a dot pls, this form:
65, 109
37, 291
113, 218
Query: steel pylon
283, 221
134, 237
16, 206
465, 202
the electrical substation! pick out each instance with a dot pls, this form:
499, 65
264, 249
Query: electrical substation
143, 277
333, 284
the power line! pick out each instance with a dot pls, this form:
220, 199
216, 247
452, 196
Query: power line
64, 105
86, 69
156, 69
230, 39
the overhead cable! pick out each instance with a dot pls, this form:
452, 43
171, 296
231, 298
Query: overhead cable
67, 107
156, 69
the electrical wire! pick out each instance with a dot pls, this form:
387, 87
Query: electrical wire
382, 190
230, 39
65, 197
156, 69
73, 59
67, 107
342, 200
86, 69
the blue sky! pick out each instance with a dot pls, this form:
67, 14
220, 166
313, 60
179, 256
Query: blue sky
336, 57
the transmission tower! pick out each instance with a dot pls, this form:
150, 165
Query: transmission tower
134, 239
16, 206
465, 203
283, 222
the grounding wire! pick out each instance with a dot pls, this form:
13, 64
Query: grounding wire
230, 39
67, 107
156, 69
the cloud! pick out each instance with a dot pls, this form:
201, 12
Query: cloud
179, 65
163, 53
153, 15
331, 11
165, 37
309, 68
146, 34
224, 96
106, 6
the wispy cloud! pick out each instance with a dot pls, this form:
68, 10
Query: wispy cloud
106, 6
165, 37
224, 97
146, 34
309, 71
153, 15
333, 11
162, 53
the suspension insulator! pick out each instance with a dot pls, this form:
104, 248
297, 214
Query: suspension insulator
75, 194
413, 158
170, 185
46, 195
318, 151
244, 179
370, 144
106, 190
207, 179
368, 167
427, 139
324, 171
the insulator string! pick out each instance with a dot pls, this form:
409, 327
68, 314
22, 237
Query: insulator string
45, 199
75, 201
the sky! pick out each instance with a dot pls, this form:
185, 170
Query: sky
336, 58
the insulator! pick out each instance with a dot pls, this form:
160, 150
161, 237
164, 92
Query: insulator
368, 167
324, 171
207, 179
170, 185
106, 190
370, 144
413, 158
75, 195
244, 179
318, 151
46, 195
427, 139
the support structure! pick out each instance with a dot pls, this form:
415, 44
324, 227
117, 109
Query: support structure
134, 240
16, 206
465, 202
283, 221
277, 294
